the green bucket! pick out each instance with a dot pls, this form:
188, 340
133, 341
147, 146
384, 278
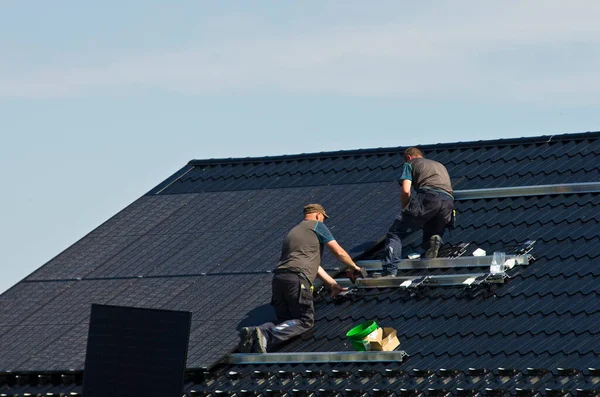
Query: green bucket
358, 333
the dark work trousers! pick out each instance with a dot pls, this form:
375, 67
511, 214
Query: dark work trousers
426, 209
293, 302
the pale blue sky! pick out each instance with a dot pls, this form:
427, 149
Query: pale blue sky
100, 102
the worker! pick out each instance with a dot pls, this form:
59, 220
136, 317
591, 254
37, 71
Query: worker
430, 208
292, 285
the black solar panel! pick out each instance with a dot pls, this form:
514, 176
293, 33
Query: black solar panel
25, 299
72, 306
133, 351
82, 258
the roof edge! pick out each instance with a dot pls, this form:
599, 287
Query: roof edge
170, 180
396, 149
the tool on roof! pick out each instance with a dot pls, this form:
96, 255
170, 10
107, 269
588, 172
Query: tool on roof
353, 275
452, 224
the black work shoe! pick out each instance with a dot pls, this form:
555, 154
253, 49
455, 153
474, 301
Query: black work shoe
259, 342
435, 242
245, 345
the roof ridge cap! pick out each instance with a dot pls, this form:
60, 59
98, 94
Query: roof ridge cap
398, 149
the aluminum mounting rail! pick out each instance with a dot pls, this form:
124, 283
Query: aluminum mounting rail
316, 357
439, 280
517, 191
446, 263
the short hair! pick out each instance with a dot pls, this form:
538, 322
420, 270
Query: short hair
413, 151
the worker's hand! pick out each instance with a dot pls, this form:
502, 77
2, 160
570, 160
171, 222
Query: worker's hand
351, 274
336, 289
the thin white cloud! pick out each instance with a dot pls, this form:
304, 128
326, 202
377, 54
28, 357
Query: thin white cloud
514, 50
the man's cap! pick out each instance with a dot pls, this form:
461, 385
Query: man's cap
312, 208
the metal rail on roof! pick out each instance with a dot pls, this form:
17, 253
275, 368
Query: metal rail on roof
465, 279
316, 357
444, 263
516, 191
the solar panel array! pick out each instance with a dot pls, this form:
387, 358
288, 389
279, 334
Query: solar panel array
207, 250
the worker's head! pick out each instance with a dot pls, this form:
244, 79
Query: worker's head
412, 153
315, 212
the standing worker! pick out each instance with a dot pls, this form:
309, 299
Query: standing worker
299, 265
430, 208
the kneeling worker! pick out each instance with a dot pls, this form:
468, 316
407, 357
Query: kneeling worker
299, 265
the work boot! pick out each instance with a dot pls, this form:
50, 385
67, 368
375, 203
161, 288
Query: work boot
435, 242
259, 341
245, 345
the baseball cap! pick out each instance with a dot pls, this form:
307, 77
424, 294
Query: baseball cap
312, 208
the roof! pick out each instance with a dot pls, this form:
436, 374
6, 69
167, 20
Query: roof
206, 239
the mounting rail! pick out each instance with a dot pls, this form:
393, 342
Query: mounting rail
444, 263
518, 191
468, 279
316, 357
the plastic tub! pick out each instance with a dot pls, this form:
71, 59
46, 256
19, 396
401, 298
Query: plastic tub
358, 333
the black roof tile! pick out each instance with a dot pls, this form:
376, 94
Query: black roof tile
485, 165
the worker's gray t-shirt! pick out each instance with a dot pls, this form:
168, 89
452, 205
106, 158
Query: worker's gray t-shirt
427, 174
303, 248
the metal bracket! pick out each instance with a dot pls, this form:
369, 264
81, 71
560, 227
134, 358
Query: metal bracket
414, 283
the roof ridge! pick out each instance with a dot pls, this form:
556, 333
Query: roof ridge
398, 149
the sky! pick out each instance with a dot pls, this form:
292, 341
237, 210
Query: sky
101, 101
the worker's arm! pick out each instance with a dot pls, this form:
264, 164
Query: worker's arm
405, 192
341, 255
326, 278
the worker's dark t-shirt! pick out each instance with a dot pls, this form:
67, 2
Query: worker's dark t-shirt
303, 248
427, 174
